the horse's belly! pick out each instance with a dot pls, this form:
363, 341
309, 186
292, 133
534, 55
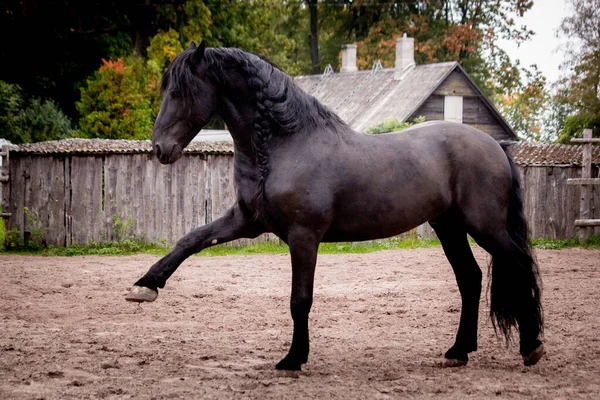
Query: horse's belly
377, 221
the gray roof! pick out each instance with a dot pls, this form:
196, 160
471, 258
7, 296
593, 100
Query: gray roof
365, 98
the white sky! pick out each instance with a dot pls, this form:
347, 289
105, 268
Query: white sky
543, 49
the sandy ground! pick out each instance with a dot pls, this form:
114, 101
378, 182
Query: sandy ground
379, 326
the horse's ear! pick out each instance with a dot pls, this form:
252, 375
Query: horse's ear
192, 45
198, 53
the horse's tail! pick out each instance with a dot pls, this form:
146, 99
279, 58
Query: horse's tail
515, 285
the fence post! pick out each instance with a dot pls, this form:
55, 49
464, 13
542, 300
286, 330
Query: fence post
5, 182
585, 223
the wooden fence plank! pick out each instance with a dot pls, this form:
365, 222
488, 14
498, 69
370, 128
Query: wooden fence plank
86, 205
19, 170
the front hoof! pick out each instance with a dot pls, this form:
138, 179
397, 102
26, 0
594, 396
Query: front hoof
535, 356
140, 294
289, 364
453, 363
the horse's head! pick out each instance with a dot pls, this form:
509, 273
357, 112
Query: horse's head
188, 103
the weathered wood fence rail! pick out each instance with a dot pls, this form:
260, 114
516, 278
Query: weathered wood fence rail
79, 190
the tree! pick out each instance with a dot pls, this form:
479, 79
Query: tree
445, 30
314, 36
277, 30
55, 45
578, 93
525, 104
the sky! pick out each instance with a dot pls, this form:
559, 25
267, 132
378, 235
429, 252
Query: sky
543, 49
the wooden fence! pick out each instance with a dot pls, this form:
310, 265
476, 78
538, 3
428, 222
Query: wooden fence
552, 206
77, 199
104, 195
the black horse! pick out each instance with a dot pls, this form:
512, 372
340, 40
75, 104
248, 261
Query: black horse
305, 175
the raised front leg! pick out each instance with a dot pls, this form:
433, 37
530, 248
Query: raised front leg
303, 249
233, 225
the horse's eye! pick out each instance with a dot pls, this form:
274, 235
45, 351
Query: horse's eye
174, 94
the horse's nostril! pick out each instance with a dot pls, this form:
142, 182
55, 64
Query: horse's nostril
157, 150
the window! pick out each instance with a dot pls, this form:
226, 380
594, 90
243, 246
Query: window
453, 108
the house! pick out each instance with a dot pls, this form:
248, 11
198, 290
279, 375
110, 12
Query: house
442, 91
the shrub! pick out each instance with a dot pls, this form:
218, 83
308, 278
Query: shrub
392, 125
119, 101
23, 121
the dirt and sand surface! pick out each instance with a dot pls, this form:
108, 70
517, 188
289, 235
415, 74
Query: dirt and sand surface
379, 326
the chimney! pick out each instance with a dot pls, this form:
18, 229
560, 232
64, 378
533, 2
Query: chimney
405, 55
349, 58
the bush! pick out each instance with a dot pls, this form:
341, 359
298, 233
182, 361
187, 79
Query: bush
23, 121
43, 121
120, 100
392, 125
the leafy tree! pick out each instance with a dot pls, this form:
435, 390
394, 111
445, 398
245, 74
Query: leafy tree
578, 93
525, 105
277, 30
55, 45
446, 30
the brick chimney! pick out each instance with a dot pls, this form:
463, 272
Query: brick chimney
349, 58
405, 55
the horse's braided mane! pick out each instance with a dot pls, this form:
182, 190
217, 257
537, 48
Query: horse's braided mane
282, 108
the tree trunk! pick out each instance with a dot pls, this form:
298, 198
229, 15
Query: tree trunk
141, 41
314, 37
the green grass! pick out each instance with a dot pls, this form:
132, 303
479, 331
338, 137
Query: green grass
324, 248
132, 247
550, 244
128, 247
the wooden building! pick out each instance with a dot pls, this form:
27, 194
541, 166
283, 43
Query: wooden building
442, 91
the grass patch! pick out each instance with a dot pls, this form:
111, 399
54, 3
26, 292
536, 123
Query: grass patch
104, 249
551, 244
324, 248
131, 247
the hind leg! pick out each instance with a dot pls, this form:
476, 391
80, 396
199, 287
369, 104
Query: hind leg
468, 277
515, 294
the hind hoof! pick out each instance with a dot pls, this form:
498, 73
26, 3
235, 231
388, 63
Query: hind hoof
453, 363
535, 356
140, 294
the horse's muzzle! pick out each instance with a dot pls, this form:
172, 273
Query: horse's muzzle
167, 154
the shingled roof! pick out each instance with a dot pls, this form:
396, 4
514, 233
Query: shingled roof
107, 146
360, 98
525, 154
535, 154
